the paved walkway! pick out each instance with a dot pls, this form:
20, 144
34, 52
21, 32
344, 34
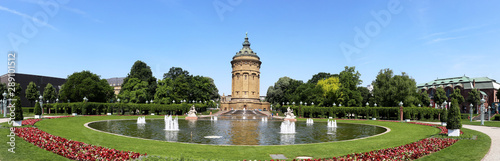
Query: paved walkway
493, 133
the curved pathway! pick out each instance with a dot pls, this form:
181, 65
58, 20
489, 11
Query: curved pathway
493, 132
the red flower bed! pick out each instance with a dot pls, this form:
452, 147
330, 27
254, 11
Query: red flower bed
72, 149
404, 152
30, 121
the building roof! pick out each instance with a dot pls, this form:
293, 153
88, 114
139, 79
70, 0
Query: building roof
246, 50
464, 81
117, 81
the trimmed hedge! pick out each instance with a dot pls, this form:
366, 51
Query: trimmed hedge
94, 108
386, 113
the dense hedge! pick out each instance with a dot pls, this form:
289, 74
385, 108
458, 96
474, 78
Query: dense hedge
497, 118
387, 113
93, 108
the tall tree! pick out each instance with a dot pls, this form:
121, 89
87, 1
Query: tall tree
32, 92
3, 88
474, 98
135, 90
457, 94
440, 96
425, 100
349, 81
283, 90
142, 71
174, 72
404, 89
87, 84
367, 96
164, 92
49, 93
382, 88
330, 91
321, 76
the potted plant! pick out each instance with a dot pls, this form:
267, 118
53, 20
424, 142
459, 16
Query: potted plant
453, 123
18, 117
444, 117
37, 110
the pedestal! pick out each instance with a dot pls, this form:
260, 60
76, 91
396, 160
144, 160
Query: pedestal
17, 123
38, 116
74, 114
108, 114
453, 132
443, 123
191, 118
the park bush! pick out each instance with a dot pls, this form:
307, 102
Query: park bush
454, 120
497, 118
18, 111
444, 115
37, 110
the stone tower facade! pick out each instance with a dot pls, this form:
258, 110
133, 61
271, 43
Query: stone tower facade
245, 91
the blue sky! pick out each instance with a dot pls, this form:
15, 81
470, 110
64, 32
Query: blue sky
426, 39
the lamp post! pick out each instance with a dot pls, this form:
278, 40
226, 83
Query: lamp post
340, 104
444, 104
287, 103
301, 103
419, 105
293, 103
151, 101
1, 106
482, 110
470, 111
367, 104
312, 103
497, 108
334, 104
401, 110
147, 101
41, 104
305, 104
430, 105
4, 104
375, 104
489, 113
118, 100
173, 101
57, 100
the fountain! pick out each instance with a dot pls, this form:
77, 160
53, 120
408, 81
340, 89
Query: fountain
264, 119
213, 118
171, 124
309, 121
141, 120
287, 127
332, 123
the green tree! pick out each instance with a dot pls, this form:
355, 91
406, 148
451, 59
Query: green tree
62, 94
444, 115
164, 91
457, 94
454, 116
174, 72
141, 71
329, 87
425, 100
474, 98
3, 88
367, 96
440, 96
349, 81
382, 88
16, 91
404, 89
134, 90
49, 93
308, 92
32, 92
86, 84
283, 91
19, 109
321, 76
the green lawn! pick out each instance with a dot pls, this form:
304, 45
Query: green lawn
486, 123
464, 149
72, 128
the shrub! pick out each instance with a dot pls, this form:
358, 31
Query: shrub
110, 109
38, 109
19, 109
454, 121
444, 115
497, 118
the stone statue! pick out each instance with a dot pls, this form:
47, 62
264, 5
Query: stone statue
192, 112
289, 113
